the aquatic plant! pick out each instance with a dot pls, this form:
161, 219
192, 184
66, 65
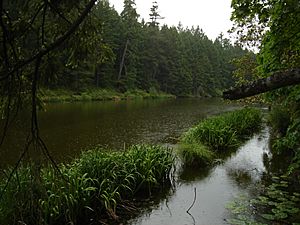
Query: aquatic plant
277, 203
218, 134
195, 154
91, 186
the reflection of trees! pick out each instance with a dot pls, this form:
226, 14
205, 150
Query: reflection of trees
241, 176
190, 174
276, 164
144, 206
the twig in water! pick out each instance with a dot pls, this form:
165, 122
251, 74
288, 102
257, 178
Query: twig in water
195, 196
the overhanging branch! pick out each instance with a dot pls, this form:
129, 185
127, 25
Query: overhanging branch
277, 80
54, 44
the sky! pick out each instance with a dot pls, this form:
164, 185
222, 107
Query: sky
213, 16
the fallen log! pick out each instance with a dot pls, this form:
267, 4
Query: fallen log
277, 80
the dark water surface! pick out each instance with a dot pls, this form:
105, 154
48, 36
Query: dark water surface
215, 189
69, 128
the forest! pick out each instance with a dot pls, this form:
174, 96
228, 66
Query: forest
50, 46
119, 52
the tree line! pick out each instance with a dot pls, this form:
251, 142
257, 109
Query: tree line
117, 51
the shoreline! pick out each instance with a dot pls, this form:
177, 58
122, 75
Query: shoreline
59, 95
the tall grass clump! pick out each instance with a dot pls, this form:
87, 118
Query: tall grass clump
218, 134
195, 154
92, 187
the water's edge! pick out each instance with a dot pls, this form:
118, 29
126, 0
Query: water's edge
215, 188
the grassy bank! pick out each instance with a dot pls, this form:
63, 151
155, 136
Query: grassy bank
199, 145
96, 185
63, 95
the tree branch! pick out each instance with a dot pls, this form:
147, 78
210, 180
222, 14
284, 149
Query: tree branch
5, 36
276, 80
55, 44
60, 14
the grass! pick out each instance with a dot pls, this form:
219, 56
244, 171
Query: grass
63, 95
91, 187
196, 154
218, 134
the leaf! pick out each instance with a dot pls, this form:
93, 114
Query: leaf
268, 216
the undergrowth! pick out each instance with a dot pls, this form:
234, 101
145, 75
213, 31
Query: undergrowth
90, 188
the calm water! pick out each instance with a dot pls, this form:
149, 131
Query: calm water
68, 129
215, 188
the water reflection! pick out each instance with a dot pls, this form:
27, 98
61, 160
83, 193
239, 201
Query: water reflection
69, 128
191, 174
215, 187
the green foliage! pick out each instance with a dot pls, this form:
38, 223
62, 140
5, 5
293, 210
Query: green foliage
94, 184
222, 132
174, 60
66, 197
289, 141
139, 168
278, 203
245, 69
219, 133
216, 134
61, 95
274, 27
242, 212
279, 119
280, 41
195, 154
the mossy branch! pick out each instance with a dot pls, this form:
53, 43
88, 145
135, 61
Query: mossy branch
277, 80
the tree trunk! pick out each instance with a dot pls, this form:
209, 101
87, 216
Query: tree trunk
276, 80
123, 60
96, 76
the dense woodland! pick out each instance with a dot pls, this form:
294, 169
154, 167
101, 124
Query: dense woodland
81, 45
121, 52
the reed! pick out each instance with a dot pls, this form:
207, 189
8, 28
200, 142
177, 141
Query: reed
218, 134
195, 154
92, 186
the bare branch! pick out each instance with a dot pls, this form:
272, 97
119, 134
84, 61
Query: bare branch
53, 45
5, 36
43, 23
58, 12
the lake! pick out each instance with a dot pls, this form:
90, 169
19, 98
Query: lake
70, 128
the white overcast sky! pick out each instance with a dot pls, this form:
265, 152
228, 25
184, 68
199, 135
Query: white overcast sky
213, 16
